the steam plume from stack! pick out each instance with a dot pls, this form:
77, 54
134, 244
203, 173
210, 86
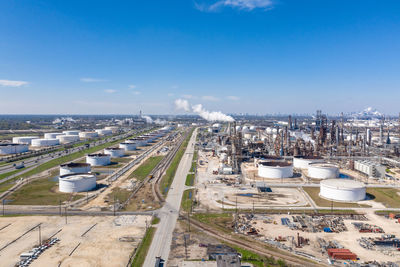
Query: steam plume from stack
182, 104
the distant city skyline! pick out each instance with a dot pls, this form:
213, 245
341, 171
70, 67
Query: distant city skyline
237, 56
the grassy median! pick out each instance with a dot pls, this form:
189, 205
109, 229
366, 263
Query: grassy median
143, 248
145, 168
167, 179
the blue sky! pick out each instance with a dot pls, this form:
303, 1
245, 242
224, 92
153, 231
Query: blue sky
254, 56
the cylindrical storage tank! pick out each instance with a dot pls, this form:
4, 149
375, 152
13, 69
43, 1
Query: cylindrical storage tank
128, 146
252, 128
71, 132
77, 182
103, 132
137, 141
114, 152
73, 167
45, 142
113, 129
345, 190
64, 139
24, 139
11, 148
51, 135
275, 169
88, 135
98, 159
238, 128
323, 171
302, 162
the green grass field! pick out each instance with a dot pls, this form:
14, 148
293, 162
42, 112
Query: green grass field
40, 192
313, 192
389, 197
144, 246
119, 194
5, 175
145, 168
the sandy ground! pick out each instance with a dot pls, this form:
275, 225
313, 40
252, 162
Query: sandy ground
211, 192
347, 239
99, 247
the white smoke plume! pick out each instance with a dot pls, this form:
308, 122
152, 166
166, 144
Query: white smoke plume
160, 122
182, 104
148, 119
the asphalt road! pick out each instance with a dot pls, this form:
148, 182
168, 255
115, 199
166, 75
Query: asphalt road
170, 211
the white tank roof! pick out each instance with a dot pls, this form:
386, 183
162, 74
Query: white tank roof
343, 183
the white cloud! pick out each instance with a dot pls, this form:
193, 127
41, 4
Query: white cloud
240, 4
136, 92
233, 98
171, 94
182, 104
8, 83
92, 80
210, 98
174, 86
132, 86
110, 91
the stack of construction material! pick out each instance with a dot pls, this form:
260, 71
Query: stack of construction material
341, 254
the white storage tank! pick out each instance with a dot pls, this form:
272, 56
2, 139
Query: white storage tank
128, 146
64, 139
275, 169
138, 141
103, 132
77, 182
45, 142
88, 135
11, 148
24, 139
323, 171
74, 167
302, 162
345, 190
114, 152
71, 132
113, 129
51, 135
98, 159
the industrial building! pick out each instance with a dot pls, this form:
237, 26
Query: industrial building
12, 148
98, 159
345, 190
45, 142
24, 139
72, 167
77, 182
114, 152
275, 169
128, 146
370, 168
323, 171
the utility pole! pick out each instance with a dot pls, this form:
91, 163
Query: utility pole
40, 236
188, 216
184, 238
114, 207
66, 220
60, 207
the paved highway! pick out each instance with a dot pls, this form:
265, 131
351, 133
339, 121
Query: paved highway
170, 211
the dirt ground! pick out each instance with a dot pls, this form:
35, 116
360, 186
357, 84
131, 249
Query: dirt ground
194, 252
347, 239
101, 246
